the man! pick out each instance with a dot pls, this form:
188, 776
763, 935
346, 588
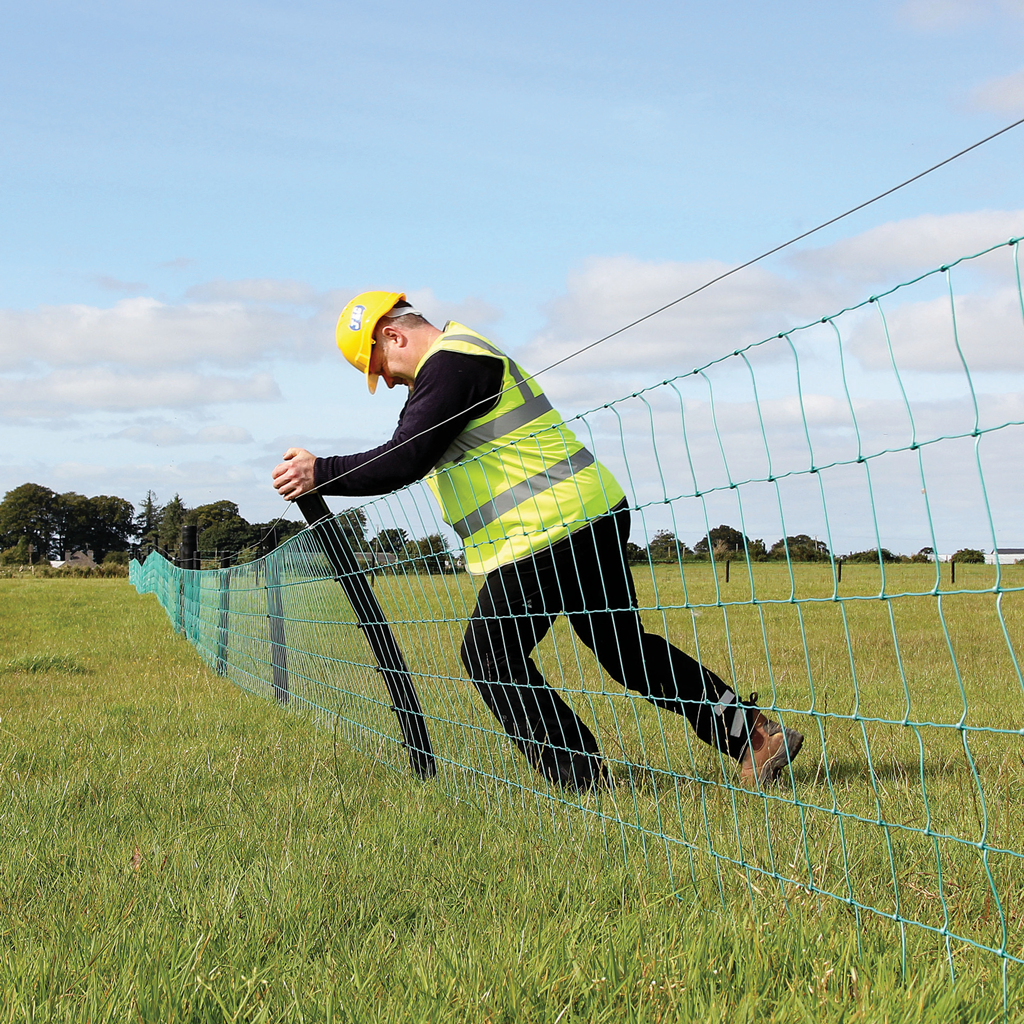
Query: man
543, 522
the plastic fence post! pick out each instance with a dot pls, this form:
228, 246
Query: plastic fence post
275, 618
222, 621
377, 632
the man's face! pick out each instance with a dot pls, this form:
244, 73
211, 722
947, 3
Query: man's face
387, 360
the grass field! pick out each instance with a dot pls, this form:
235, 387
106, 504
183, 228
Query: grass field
178, 850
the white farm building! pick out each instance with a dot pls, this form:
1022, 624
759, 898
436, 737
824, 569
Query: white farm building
1005, 556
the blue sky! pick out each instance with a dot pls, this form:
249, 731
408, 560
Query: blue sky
191, 193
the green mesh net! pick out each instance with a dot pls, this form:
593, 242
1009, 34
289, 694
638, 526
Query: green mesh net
796, 506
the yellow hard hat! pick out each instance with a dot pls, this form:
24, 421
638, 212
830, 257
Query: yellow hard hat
355, 329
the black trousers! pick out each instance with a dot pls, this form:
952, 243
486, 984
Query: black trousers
586, 577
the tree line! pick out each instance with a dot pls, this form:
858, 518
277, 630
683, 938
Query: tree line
38, 524
725, 542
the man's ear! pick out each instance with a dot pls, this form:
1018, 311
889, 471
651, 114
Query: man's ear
399, 337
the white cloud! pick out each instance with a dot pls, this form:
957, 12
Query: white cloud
227, 324
901, 248
1004, 94
607, 293
989, 330
222, 344
163, 434
143, 331
198, 481
469, 311
67, 392
757, 303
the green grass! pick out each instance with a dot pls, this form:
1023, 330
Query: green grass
176, 850
59, 663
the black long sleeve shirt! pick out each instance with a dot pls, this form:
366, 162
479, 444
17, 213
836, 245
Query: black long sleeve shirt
451, 389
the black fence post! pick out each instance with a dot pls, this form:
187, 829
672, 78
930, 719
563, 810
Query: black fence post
275, 617
952, 572
839, 570
727, 570
370, 616
189, 547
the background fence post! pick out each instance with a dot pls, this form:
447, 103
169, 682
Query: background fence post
189, 547
275, 617
378, 633
223, 618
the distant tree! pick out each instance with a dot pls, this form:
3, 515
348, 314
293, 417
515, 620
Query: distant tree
147, 522
221, 529
872, 555
353, 525
801, 548
264, 537
72, 516
727, 542
391, 541
666, 547
969, 555
111, 524
389, 549
227, 538
18, 554
924, 555
755, 549
432, 555
28, 512
56, 523
635, 553
172, 519
216, 512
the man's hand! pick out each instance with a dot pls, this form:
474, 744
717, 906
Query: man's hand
294, 476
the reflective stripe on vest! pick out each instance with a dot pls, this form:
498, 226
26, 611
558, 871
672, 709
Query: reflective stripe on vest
516, 479
490, 432
518, 493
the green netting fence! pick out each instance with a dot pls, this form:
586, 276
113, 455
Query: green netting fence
890, 427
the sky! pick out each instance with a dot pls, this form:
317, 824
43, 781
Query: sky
192, 193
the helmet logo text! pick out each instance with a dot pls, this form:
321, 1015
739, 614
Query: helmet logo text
357, 318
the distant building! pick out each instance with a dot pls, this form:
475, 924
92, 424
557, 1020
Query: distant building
83, 559
1005, 556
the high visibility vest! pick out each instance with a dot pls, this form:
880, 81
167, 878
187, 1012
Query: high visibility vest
516, 480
